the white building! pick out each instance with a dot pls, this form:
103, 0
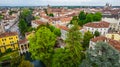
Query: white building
101, 27
36, 23
64, 31
114, 23
23, 46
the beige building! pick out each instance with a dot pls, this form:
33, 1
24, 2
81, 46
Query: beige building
114, 36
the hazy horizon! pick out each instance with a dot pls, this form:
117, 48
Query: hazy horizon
58, 2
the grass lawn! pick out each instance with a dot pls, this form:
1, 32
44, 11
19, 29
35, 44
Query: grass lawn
5, 57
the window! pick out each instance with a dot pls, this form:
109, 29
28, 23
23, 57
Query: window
2, 39
10, 38
3, 43
22, 47
25, 46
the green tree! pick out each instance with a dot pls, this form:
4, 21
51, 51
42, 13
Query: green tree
1, 17
42, 45
15, 59
9, 50
89, 18
22, 26
97, 33
104, 55
97, 16
25, 63
71, 55
87, 36
25, 12
52, 28
26, 15
57, 32
75, 18
51, 15
74, 46
82, 15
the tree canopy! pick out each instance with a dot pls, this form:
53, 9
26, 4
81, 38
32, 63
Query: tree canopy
84, 18
97, 33
42, 45
25, 21
51, 15
22, 26
25, 63
87, 36
104, 55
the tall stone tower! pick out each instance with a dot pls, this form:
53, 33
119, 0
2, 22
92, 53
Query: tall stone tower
108, 6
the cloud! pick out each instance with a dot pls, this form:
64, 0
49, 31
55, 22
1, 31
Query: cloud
56, 2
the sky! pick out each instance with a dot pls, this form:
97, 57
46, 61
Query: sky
58, 2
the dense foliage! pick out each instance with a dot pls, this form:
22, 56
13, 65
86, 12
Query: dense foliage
42, 45
22, 26
97, 33
1, 17
25, 21
87, 36
9, 50
103, 55
51, 15
15, 59
84, 18
25, 63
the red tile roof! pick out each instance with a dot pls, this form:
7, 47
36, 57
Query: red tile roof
65, 19
6, 34
62, 27
23, 41
101, 24
114, 43
38, 22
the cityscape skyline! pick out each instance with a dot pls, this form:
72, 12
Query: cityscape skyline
58, 3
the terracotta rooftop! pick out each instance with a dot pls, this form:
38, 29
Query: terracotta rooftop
23, 41
62, 27
38, 22
6, 34
64, 19
114, 43
101, 24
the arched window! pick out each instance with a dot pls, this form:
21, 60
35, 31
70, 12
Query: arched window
22, 47
25, 46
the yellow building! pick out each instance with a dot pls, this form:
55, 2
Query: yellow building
28, 35
8, 40
115, 36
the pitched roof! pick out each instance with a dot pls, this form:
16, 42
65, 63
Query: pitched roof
64, 19
6, 34
38, 22
62, 27
114, 43
101, 24
23, 41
